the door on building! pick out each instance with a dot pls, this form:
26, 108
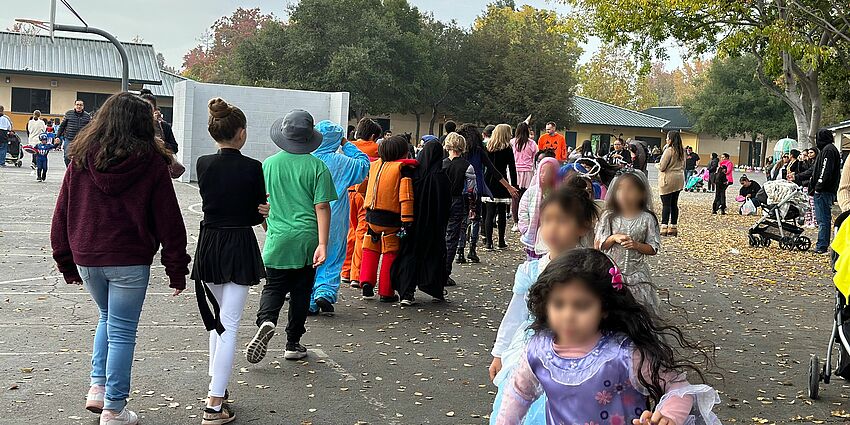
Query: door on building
601, 143
571, 137
651, 142
744, 157
750, 153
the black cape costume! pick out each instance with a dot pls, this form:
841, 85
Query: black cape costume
421, 260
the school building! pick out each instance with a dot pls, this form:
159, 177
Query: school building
38, 74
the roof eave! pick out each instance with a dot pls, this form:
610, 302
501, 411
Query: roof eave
78, 77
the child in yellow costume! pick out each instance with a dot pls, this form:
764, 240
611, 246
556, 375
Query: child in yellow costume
388, 194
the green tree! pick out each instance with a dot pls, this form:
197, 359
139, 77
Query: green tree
791, 39
613, 77
730, 101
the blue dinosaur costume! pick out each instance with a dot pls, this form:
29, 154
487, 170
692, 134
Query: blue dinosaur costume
347, 168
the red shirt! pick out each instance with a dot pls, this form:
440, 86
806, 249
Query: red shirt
556, 143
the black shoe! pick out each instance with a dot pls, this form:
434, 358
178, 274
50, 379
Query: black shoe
488, 246
391, 299
714, 212
311, 313
451, 282
325, 306
821, 251
502, 245
408, 300
473, 257
294, 351
460, 258
368, 291
723, 212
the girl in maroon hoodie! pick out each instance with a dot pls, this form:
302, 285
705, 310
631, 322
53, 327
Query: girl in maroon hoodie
116, 206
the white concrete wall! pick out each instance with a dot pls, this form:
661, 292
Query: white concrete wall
262, 106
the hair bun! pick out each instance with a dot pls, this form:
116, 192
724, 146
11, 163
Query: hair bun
219, 108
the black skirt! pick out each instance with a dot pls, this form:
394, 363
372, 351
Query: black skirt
228, 255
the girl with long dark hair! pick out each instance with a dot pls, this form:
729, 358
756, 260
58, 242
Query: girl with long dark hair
671, 181
600, 356
524, 151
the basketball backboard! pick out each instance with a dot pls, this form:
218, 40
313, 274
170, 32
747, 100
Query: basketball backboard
43, 25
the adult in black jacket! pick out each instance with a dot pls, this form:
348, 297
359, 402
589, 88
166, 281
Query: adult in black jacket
496, 205
74, 121
713, 163
824, 185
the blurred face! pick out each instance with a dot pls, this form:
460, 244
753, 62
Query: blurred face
559, 231
812, 155
550, 129
79, 105
725, 157
618, 146
629, 195
532, 133
689, 150
574, 313
745, 183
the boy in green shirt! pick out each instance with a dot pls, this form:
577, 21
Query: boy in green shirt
300, 190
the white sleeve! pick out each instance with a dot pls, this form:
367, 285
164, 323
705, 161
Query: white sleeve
515, 316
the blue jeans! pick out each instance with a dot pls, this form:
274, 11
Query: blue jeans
823, 213
119, 293
4, 147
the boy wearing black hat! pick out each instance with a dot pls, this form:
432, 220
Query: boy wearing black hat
300, 190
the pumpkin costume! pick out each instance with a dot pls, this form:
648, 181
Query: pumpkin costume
388, 198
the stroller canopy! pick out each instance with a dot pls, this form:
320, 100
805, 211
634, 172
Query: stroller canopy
785, 194
783, 146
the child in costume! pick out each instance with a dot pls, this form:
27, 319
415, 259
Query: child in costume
721, 183
388, 196
599, 356
629, 232
566, 217
347, 168
544, 181
463, 190
43, 148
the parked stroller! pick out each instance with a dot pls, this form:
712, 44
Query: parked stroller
783, 206
840, 335
15, 152
696, 183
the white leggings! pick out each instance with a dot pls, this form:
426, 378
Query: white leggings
231, 301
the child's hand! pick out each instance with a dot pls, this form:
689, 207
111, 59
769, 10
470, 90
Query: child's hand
320, 255
649, 418
495, 367
264, 209
629, 243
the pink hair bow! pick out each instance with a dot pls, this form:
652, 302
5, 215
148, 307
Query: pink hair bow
616, 278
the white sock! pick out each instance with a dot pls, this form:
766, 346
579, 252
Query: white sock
216, 408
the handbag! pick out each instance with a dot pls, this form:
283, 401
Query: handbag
176, 169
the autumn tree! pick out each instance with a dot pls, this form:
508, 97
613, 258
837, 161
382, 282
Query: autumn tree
613, 77
790, 39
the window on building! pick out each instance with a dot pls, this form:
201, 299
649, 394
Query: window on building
167, 113
26, 100
92, 101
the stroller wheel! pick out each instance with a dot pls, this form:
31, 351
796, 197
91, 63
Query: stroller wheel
754, 242
814, 377
18, 164
765, 242
804, 243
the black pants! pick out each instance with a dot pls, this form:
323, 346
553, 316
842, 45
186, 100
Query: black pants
494, 212
711, 185
719, 200
474, 227
670, 208
458, 218
299, 284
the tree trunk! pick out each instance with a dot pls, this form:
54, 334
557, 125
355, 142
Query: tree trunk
418, 125
795, 99
433, 120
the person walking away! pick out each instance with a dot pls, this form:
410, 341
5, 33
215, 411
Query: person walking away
422, 255
462, 189
449, 127
35, 128
726, 161
477, 155
388, 195
524, 150
582, 366
72, 123
368, 131
554, 141
163, 129
720, 185
227, 258
671, 181
300, 190
488, 133
566, 217
495, 206
543, 183
41, 150
691, 162
115, 208
5, 129
348, 166
629, 233
824, 186
713, 163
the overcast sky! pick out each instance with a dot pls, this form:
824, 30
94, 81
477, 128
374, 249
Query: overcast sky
173, 26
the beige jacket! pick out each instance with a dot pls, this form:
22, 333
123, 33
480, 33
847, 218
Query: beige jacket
844, 187
671, 176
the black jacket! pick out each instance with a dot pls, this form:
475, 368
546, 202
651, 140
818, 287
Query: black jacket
72, 124
827, 168
502, 160
168, 136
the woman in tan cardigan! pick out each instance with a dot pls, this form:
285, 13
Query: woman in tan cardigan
671, 181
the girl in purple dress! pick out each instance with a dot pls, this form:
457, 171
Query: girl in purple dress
599, 356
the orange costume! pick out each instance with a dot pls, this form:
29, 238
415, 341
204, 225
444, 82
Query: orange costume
357, 219
556, 143
389, 207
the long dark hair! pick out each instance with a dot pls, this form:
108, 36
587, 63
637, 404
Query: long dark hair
123, 127
623, 314
474, 139
586, 149
676, 143
521, 136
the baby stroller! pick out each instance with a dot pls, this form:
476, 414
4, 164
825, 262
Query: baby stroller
783, 205
15, 153
697, 181
840, 335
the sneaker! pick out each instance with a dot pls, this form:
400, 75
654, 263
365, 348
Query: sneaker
368, 292
460, 258
325, 306
345, 281
408, 301
473, 257
515, 228
821, 251
260, 343
488, 246
126, 417
503, 245
295, 351
218, 417
355, 284
390, 299
451, 282
94, 399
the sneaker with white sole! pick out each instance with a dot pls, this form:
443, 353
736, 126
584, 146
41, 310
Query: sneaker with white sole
408, 301
294, 351
368, 291
218, 417
515, 228
355, 284
126, 417
94, 399
260, 343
